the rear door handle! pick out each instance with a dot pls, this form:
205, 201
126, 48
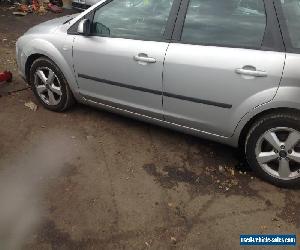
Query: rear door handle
251, 71
144, 58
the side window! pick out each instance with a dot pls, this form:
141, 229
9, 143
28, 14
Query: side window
291, 11
132, 19
238, 23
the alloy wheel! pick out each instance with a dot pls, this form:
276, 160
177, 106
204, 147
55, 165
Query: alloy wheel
278, 153
47, 86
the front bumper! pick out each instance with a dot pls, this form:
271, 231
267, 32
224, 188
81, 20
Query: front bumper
80, 6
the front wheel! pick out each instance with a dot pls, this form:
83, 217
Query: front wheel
273, 149
50, 86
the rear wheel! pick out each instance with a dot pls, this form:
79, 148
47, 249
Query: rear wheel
273, 149
50, 86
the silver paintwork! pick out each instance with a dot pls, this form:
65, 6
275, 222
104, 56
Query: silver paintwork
216, 67
283, 152
113, 59
205, 72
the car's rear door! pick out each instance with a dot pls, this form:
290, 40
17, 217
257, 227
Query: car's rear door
227, 57
121, 62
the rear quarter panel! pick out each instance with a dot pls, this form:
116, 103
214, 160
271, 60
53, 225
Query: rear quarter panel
287, 96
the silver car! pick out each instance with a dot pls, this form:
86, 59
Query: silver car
227, 71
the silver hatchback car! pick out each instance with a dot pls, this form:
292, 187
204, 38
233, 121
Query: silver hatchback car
227, 71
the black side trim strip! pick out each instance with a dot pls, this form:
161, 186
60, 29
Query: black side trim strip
192, 99
123, 85
156, 92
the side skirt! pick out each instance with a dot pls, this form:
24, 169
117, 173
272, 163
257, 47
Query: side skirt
159, 122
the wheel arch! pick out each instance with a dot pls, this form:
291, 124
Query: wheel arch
30, 60
244, 132
63, 60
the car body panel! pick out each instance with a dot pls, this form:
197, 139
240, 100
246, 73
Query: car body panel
57, 47
103, 72
291, 74
221, 96
50, 26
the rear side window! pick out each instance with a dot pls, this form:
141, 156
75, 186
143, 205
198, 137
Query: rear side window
291, 11
237, 23
132, 19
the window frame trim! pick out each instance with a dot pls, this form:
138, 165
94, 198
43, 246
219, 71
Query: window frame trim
284, 29
166, 37
272, 39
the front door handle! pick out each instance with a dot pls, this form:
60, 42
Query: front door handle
251, 71
144, 58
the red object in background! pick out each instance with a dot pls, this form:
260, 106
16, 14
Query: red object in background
5, 76
35, 5
55, 8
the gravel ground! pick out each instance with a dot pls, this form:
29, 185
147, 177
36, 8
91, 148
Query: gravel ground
88, 179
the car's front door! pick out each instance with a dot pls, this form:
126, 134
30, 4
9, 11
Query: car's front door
121, 62
227, 58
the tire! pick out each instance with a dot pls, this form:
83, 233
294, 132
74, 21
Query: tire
285, 127
62, 97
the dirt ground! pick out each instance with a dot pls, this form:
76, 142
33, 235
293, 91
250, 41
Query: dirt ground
88, 179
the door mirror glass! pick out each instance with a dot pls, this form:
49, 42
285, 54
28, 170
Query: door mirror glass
84, 27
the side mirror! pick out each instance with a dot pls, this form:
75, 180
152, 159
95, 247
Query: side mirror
84, 27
